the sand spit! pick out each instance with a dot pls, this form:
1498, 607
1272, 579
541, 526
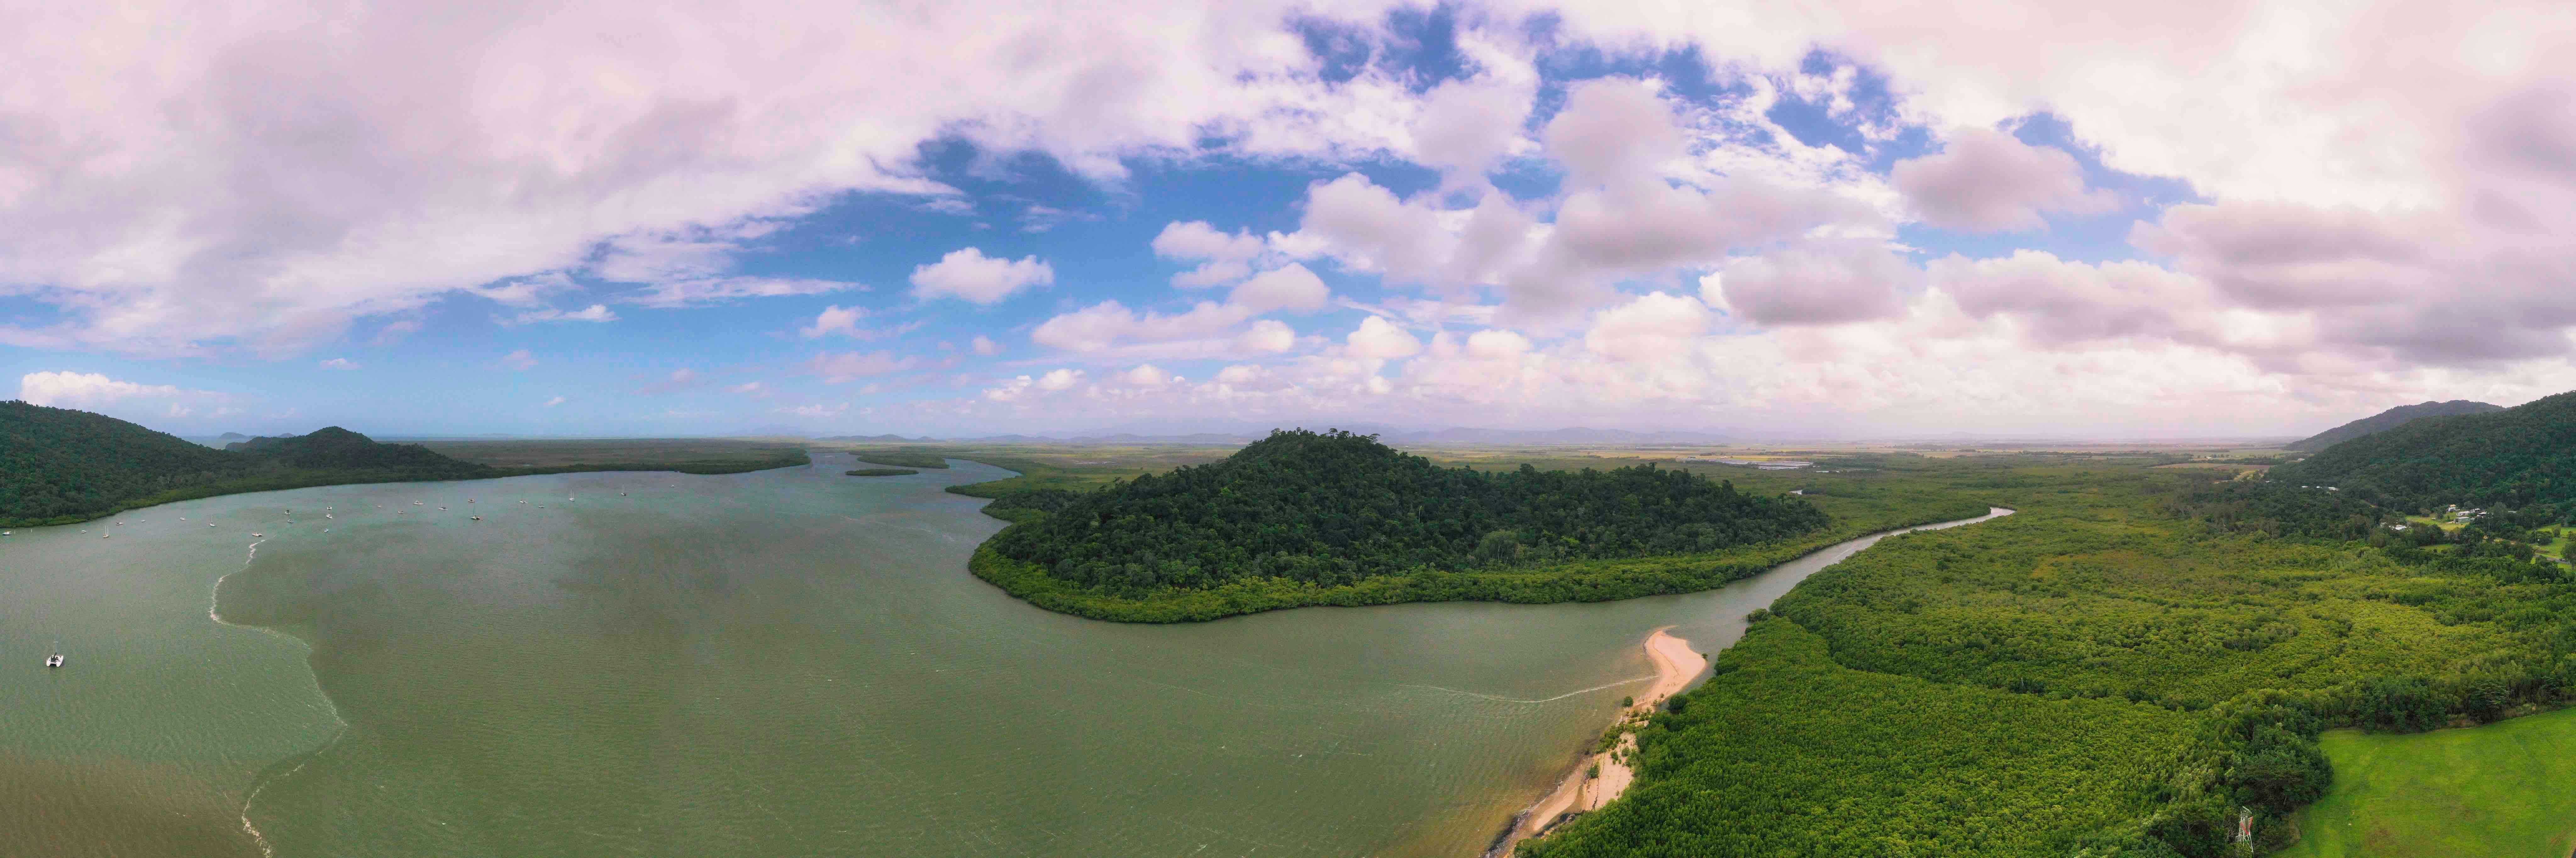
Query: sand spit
1676, 664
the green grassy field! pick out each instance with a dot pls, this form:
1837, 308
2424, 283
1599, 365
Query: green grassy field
2500, 790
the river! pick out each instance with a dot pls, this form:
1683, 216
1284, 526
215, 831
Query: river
789, 662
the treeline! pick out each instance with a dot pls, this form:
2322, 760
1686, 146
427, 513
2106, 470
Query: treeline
1331, 509
901, 458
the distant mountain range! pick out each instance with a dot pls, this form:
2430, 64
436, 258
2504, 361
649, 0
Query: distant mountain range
2386, 420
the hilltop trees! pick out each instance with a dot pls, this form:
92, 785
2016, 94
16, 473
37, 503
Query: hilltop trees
1333, 508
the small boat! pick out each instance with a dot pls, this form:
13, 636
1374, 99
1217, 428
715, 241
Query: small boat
8, 533
475, 517
328, 515
209, 525
56, 659
259, 534
442, 509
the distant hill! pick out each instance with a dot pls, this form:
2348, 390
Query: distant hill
334, 448
60, 465
232, 436
2386, 420
1332, 508
1577, 435
2514, 457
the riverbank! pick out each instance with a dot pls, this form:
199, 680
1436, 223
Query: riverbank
1599, 777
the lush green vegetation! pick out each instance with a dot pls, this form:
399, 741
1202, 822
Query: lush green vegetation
1856, 505
2523, 458
901, 458
59, 466
2499, 790
2386, 420
1334, 508
1786, 752
882, 472
2121, 669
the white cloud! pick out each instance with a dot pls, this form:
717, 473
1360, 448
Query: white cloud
1376, 339
1102, 325
753, 389
84, 389
1819, 283
984, 345
834, 320
592, 313
1197, 240
519, 360
1654, 327
1988, 181
968, 274
550, 403
339, 363
381, 168
1267, 336
1289, 288
1145, 375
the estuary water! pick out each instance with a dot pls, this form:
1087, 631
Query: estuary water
789, 662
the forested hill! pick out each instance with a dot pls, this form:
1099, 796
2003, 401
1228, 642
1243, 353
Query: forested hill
2517, 457
1333, 508
2386, 420
60, 462
334, 447
60, 465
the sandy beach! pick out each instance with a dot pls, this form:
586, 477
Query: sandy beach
1676, 664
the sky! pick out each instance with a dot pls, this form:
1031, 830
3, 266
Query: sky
1851, 219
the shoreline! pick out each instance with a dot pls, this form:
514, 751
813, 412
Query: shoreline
1676, 664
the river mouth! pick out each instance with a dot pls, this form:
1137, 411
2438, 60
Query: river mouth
796, 662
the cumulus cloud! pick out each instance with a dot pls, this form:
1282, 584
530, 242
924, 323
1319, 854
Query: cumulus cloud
389, 165
1654, 327
1289, 288
86, 390
1989, 181
969, 275
1818, 283
1267, 336
984, 345
833, 320
1377, 339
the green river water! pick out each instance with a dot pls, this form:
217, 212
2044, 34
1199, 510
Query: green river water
784, 663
